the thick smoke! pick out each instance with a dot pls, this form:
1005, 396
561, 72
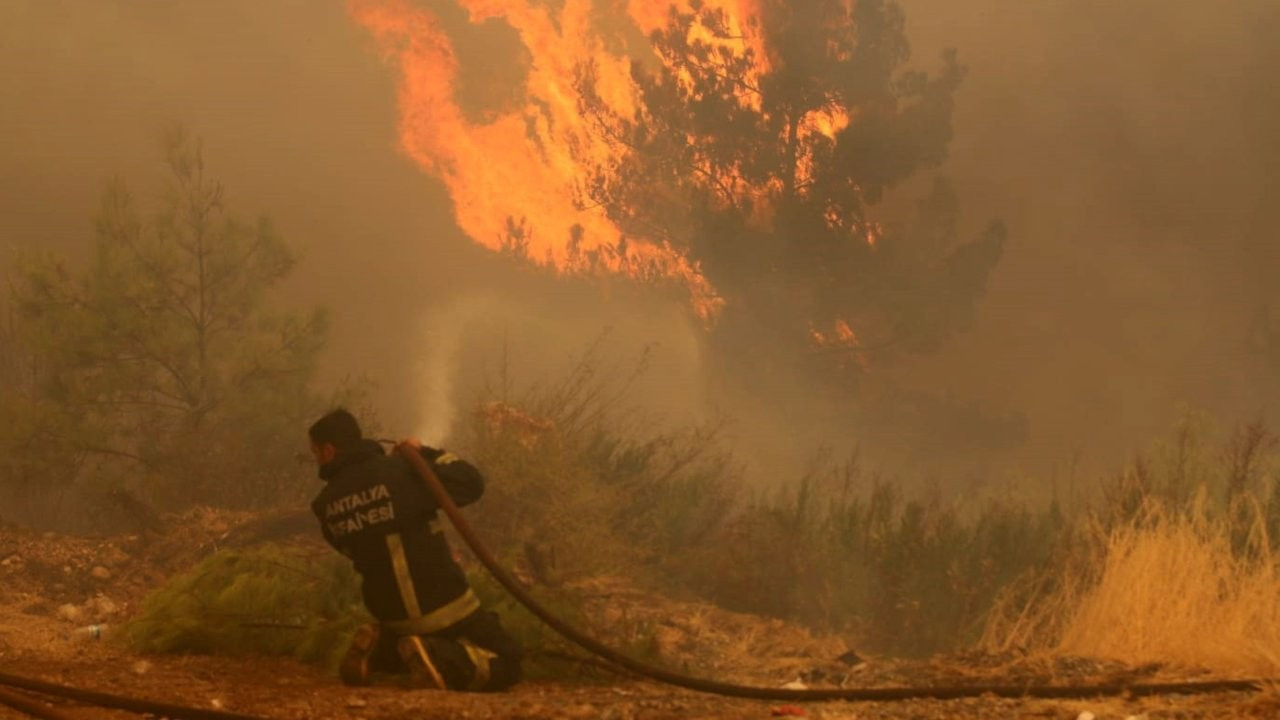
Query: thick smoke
1129, 147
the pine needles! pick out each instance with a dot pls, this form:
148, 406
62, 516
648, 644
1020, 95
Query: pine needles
267, 600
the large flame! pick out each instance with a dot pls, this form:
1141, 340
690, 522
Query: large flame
516, 179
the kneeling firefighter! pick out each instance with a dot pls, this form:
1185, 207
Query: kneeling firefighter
377, 511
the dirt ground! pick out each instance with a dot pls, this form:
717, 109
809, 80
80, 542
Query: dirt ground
50, 586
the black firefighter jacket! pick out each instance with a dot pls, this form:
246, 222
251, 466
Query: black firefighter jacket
376, 510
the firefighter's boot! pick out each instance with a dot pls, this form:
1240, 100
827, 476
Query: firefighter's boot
354, 669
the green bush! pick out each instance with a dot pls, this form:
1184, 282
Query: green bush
269, 600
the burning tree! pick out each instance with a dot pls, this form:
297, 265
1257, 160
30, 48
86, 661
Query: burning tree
759, 146
738, 147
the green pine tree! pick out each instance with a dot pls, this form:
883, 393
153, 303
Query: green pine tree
161, 357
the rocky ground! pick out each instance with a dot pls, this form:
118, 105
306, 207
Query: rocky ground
53, 587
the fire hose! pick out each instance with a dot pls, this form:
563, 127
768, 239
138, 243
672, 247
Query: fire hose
31, 707
669, 677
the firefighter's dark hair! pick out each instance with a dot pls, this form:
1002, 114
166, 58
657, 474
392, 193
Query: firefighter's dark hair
337, 428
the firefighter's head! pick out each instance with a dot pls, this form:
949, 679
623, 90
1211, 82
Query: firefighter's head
335, 433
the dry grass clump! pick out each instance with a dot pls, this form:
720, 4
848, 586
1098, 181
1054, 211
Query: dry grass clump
1176, 566
1174, 590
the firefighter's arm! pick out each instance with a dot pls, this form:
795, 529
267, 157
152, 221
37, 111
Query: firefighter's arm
461, 479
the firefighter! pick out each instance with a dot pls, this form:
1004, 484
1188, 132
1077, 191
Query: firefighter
377, 511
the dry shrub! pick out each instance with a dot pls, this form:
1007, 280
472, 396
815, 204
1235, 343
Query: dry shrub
581, 482
1170, 586
1030, 614
1172, 590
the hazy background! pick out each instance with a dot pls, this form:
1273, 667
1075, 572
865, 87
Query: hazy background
1133, 149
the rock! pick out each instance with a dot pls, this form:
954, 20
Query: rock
1086, 715
796, 684
356, 702
114, 557
142, 667
100, 573
103, 606
70, 613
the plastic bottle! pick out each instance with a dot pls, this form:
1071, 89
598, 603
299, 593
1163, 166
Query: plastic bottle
88, 632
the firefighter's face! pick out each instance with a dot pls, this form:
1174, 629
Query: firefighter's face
324, 452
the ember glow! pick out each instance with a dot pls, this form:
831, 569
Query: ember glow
840, 337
